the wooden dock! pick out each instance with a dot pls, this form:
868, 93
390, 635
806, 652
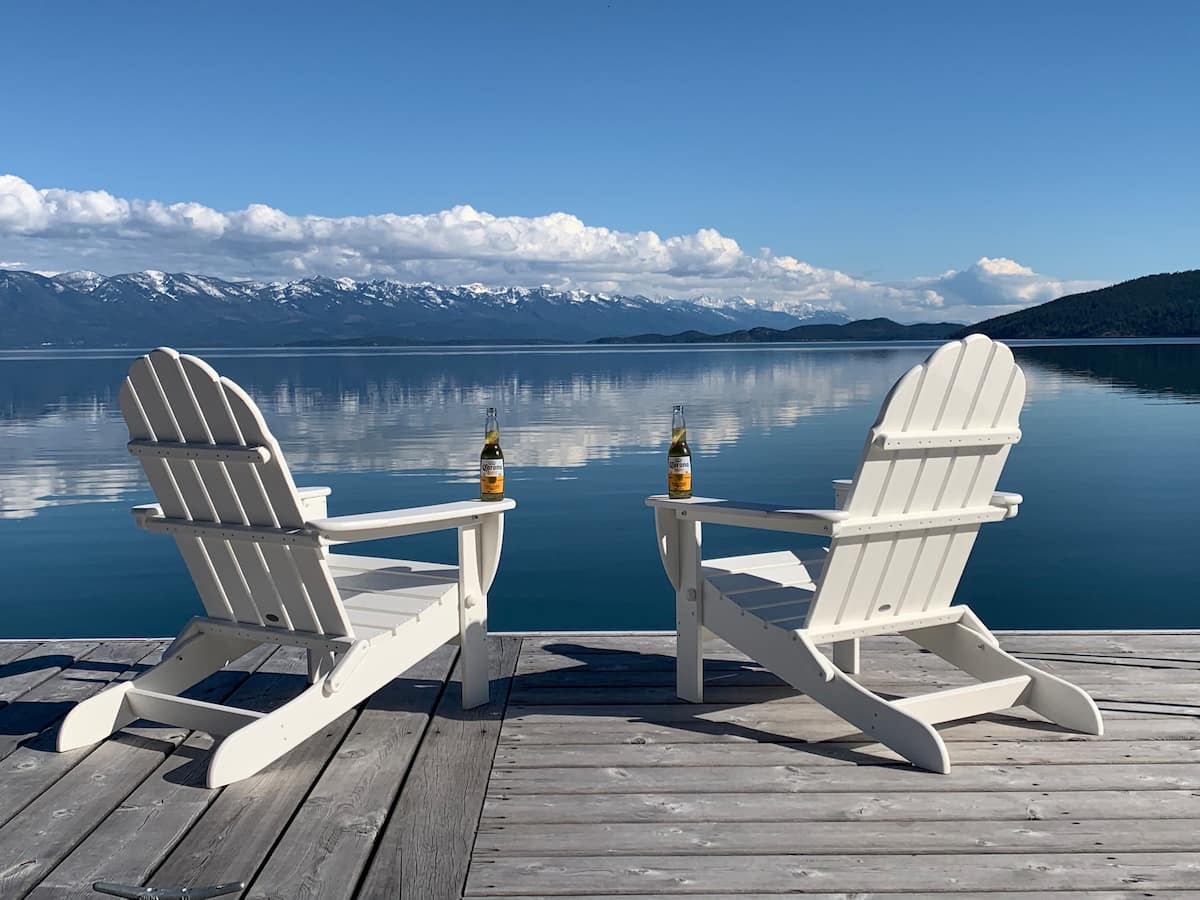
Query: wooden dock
585, 777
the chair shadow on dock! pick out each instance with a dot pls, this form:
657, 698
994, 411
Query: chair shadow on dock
759, 685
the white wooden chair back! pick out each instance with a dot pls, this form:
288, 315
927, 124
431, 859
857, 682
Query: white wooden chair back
939, 445
211, 459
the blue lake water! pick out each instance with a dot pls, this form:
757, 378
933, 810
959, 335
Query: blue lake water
1108, 465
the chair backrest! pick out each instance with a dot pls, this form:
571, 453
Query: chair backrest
938, 445
211, 460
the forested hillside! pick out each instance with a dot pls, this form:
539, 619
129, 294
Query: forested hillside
1165, 305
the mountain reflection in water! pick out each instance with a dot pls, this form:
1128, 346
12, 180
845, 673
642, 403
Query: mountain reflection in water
584, 431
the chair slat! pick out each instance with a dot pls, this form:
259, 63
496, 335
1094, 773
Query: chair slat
162, 420
237, 564
210, 395
276, 479
195, 557
305, 591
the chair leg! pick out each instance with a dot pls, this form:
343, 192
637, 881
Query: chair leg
258, 744
689, 654
846, 656
253, 747
320, 663
976, 654
472, 619
916, 741
689, 617
473, 656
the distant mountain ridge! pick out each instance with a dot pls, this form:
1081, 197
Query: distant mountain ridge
860, 330
152, 307
1166, 305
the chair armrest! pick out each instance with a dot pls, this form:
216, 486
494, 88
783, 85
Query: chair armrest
841, 491
400, 522
1007, 501
313, 501
751, 515
144, 512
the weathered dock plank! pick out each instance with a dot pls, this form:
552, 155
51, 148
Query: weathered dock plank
557, 876
849, 806
426, 847
1167, 698
890, 895
135, 837
742, 724
10, 650
35, 765
767, 838
839, 775
336, 827
747, 753
23, 723
234, 835
39, 662
84, 797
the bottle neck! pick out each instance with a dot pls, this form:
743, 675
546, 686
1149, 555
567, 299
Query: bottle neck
678, 426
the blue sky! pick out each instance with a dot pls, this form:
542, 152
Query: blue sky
893, 144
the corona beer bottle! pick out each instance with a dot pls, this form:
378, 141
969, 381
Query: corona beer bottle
491, 460
679, 459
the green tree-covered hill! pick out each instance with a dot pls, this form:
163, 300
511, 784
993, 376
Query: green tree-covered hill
1165, 305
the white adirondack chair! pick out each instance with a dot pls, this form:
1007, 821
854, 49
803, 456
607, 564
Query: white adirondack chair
900, 537
257, 550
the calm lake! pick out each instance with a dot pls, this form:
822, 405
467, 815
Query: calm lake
1108, 465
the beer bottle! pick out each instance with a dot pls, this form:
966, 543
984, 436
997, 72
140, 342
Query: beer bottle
491, 460
679, 459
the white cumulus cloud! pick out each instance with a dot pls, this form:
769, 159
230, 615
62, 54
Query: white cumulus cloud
57, 229
998, 282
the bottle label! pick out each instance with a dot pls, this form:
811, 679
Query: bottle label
491, 476
679, 474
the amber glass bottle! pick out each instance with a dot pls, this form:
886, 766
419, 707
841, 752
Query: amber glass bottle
491, 460
679, 459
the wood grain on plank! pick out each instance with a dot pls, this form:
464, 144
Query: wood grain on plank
843, 776
748, 753
847, 806
889, 895
1176, 697
27, 723
36, 765
234, 835
425, 849
135, 837
742, 725
767, 838
920, 670
934, 873
46, 829
85, 796
38, 663
336, 827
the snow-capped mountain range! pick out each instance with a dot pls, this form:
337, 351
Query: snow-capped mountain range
150, 308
